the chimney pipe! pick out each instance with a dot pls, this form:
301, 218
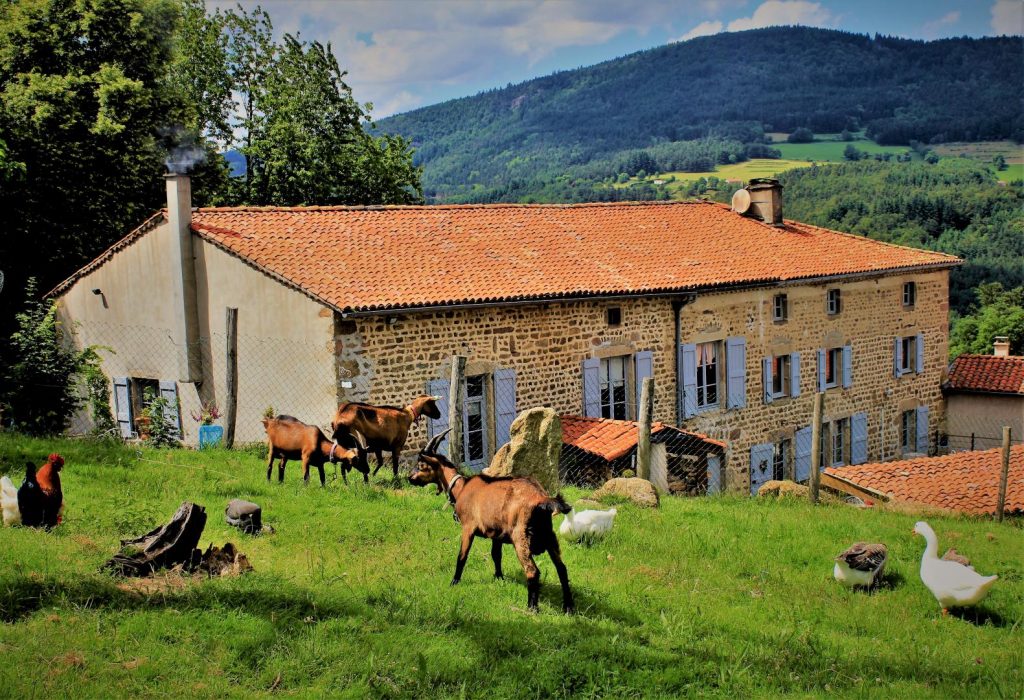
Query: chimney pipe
766, 200
1001, 346
182, 260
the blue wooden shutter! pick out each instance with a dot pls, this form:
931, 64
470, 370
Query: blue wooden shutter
436, 426
802, 457
919, 346
592, 387
688, 362
766, 377
858, 438
714, 474
761, 458
504, 404
644, 367
169, 391
794, 374
736, 372
922, 429
897, 357
821, 370
123, 406
847, 366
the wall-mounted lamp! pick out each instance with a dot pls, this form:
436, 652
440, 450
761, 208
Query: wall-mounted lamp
392, 320
97, 291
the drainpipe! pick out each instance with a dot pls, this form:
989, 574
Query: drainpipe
183, 277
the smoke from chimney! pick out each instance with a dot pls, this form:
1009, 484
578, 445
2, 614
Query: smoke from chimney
184, 150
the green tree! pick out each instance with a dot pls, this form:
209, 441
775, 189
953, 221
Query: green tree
852, 153
1000, 162
801, 135
999, 313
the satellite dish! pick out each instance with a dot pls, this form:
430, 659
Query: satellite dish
741, 201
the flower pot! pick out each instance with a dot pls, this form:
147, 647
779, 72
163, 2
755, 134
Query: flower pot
210, 436
143, 426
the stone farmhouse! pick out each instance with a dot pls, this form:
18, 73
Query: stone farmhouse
739, 318
983, 394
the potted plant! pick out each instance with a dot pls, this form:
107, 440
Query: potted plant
210, 435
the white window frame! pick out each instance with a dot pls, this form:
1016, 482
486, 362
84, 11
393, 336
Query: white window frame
909, 294
780, 308
833, 302
834, 360
782, 458
840, 442
782, 376
609, 385
908, 432
703, 384
908, 346
483, 401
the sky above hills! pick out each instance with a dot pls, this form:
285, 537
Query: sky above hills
404, 54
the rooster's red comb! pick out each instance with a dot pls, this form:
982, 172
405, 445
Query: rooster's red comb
55, 459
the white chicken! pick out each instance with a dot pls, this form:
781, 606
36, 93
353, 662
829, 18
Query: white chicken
586, 524
953, 584
9, 502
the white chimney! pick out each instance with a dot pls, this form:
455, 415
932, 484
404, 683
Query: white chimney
1001, 346
182, 261
760, 199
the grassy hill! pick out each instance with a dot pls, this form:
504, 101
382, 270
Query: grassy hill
717, 597
731, 86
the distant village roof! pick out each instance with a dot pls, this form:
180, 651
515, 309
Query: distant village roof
986, 373
963, 481
364, 259
612, 439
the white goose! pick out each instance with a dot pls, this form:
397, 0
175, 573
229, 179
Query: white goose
953, 584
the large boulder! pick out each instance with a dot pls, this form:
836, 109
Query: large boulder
535, 443
639, 491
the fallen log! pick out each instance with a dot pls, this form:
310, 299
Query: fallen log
167, 546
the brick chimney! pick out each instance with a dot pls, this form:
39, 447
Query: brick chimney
1001, 346
760, 199
182, 261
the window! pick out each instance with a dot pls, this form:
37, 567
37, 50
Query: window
781, 459
908, 431
143, 391
780, 376
707, 375
780, 308
832, 304
475, 426
833, 367
840, 431
614, 316
908, 354
909, 293
613, 387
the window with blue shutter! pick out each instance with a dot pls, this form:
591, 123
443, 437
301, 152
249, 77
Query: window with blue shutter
716, 482
688, 363
644, 367
169, 391
736, 372
794, 372
766, 377
897, 357
919, 348
436, 426
123, 406
762, 458
592, 387
847, 366
858, 438
504, 404
802, 458
922, 430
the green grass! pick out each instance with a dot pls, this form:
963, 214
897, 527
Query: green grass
985, 151
718, 597
831, 151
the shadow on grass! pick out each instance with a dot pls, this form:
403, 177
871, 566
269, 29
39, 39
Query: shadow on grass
979, 616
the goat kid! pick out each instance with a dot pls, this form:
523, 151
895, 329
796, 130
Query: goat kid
384, 428
290, 438
506, 510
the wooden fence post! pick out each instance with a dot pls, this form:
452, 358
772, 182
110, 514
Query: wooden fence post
643, 427
819, 400
1004, 474
455, 409
231, 404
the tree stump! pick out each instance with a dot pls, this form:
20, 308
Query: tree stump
167, 546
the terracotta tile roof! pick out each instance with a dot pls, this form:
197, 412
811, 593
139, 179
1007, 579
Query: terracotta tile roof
395, 257
611, 439
987, 373
964, 481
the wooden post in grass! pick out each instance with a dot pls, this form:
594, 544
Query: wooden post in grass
455, 409
231, 401
643, 427
819, 400
1003, 474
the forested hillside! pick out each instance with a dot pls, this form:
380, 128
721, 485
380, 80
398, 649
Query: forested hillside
509, 142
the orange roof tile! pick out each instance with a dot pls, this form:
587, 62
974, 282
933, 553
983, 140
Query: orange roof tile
611, 439
964, 481
987, 373
397, 257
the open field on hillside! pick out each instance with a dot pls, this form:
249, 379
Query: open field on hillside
719, 597
982, 150
831, 151
741, 172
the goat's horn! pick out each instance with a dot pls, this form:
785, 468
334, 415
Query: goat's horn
359, 438
431, 447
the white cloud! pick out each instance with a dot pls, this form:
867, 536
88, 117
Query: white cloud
1008, 17
936, 26
702, 29
782, 12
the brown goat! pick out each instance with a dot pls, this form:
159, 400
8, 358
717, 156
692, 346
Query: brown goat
290, 438
383, 427
506, 510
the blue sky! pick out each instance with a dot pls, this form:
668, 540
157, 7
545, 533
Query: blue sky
403, 54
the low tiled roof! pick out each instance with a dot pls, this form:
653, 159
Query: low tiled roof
964, 481
397, 257
611, 439
987, 373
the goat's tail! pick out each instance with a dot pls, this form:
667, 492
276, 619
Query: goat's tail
556, 505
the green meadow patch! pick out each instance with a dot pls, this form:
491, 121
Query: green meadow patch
832, 151
719, 597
